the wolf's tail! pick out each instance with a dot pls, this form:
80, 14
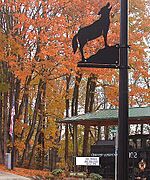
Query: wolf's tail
75, 43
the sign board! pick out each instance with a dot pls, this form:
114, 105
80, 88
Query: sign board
113, 130
107, 57
8, 160
132, 154
87, 161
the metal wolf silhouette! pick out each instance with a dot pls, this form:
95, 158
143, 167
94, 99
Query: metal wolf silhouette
93, 31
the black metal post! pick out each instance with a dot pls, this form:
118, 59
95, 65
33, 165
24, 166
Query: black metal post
123, 95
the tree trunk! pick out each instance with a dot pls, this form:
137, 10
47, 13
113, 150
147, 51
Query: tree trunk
5, 125
106, 132
86, 127
34, 118
74, 107
16, 104
89, 102
41, 125
24, 101
35, 142
68, 78
1, 128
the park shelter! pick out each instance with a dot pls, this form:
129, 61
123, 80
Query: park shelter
105, 117
137, 115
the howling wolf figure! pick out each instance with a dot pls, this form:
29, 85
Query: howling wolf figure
93, 31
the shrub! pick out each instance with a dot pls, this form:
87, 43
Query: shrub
95, 176
57, 172
78, 174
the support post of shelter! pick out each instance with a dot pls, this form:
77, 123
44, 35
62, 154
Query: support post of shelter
123, 95
66, 143
74, 146
99, 133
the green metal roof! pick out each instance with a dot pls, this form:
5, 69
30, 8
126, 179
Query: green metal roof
110, 116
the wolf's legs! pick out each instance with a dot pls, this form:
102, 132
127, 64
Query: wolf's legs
81, 45
105, 40
105, 32
81, 51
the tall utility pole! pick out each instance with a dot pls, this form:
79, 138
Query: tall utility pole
99, 61
123, 95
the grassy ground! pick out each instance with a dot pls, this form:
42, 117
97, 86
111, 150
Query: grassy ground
42, 174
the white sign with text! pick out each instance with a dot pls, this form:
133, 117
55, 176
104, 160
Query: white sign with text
87, 161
